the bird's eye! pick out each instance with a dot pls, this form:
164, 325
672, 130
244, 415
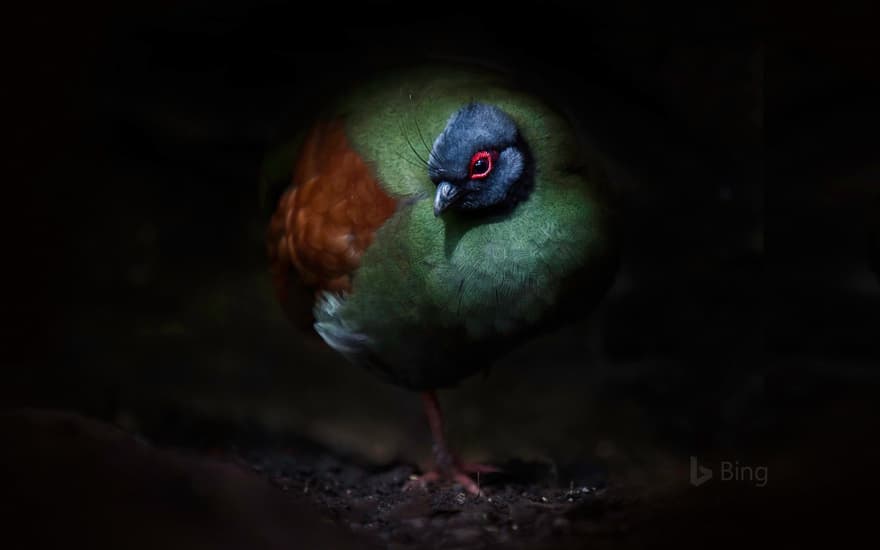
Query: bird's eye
481, 164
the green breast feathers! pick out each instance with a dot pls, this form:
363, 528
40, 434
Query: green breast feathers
502, 222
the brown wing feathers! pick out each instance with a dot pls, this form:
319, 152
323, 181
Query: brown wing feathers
325, 221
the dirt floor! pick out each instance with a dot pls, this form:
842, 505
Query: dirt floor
93, 482
527, 504
72, 480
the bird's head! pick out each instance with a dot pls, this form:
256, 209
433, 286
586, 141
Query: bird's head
479, 162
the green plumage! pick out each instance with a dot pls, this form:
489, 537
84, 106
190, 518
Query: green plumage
436, 298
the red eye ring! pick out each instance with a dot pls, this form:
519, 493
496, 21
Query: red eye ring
489, 157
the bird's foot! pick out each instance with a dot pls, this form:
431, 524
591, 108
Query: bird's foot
447, 466
460, 474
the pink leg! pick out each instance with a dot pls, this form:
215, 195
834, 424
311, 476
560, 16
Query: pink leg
447, 466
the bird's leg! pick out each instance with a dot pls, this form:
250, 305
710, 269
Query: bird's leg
447, 466
443, 459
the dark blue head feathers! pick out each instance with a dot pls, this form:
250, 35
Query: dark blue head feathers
479, 162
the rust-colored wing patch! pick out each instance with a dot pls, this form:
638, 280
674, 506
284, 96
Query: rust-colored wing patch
325, 221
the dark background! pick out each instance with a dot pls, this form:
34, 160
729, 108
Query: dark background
743, 323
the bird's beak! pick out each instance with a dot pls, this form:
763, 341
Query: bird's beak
447, 195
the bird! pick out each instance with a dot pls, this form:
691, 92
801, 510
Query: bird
430, 221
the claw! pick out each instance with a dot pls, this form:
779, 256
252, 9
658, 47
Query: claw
467, 483
455, 475
447, 467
